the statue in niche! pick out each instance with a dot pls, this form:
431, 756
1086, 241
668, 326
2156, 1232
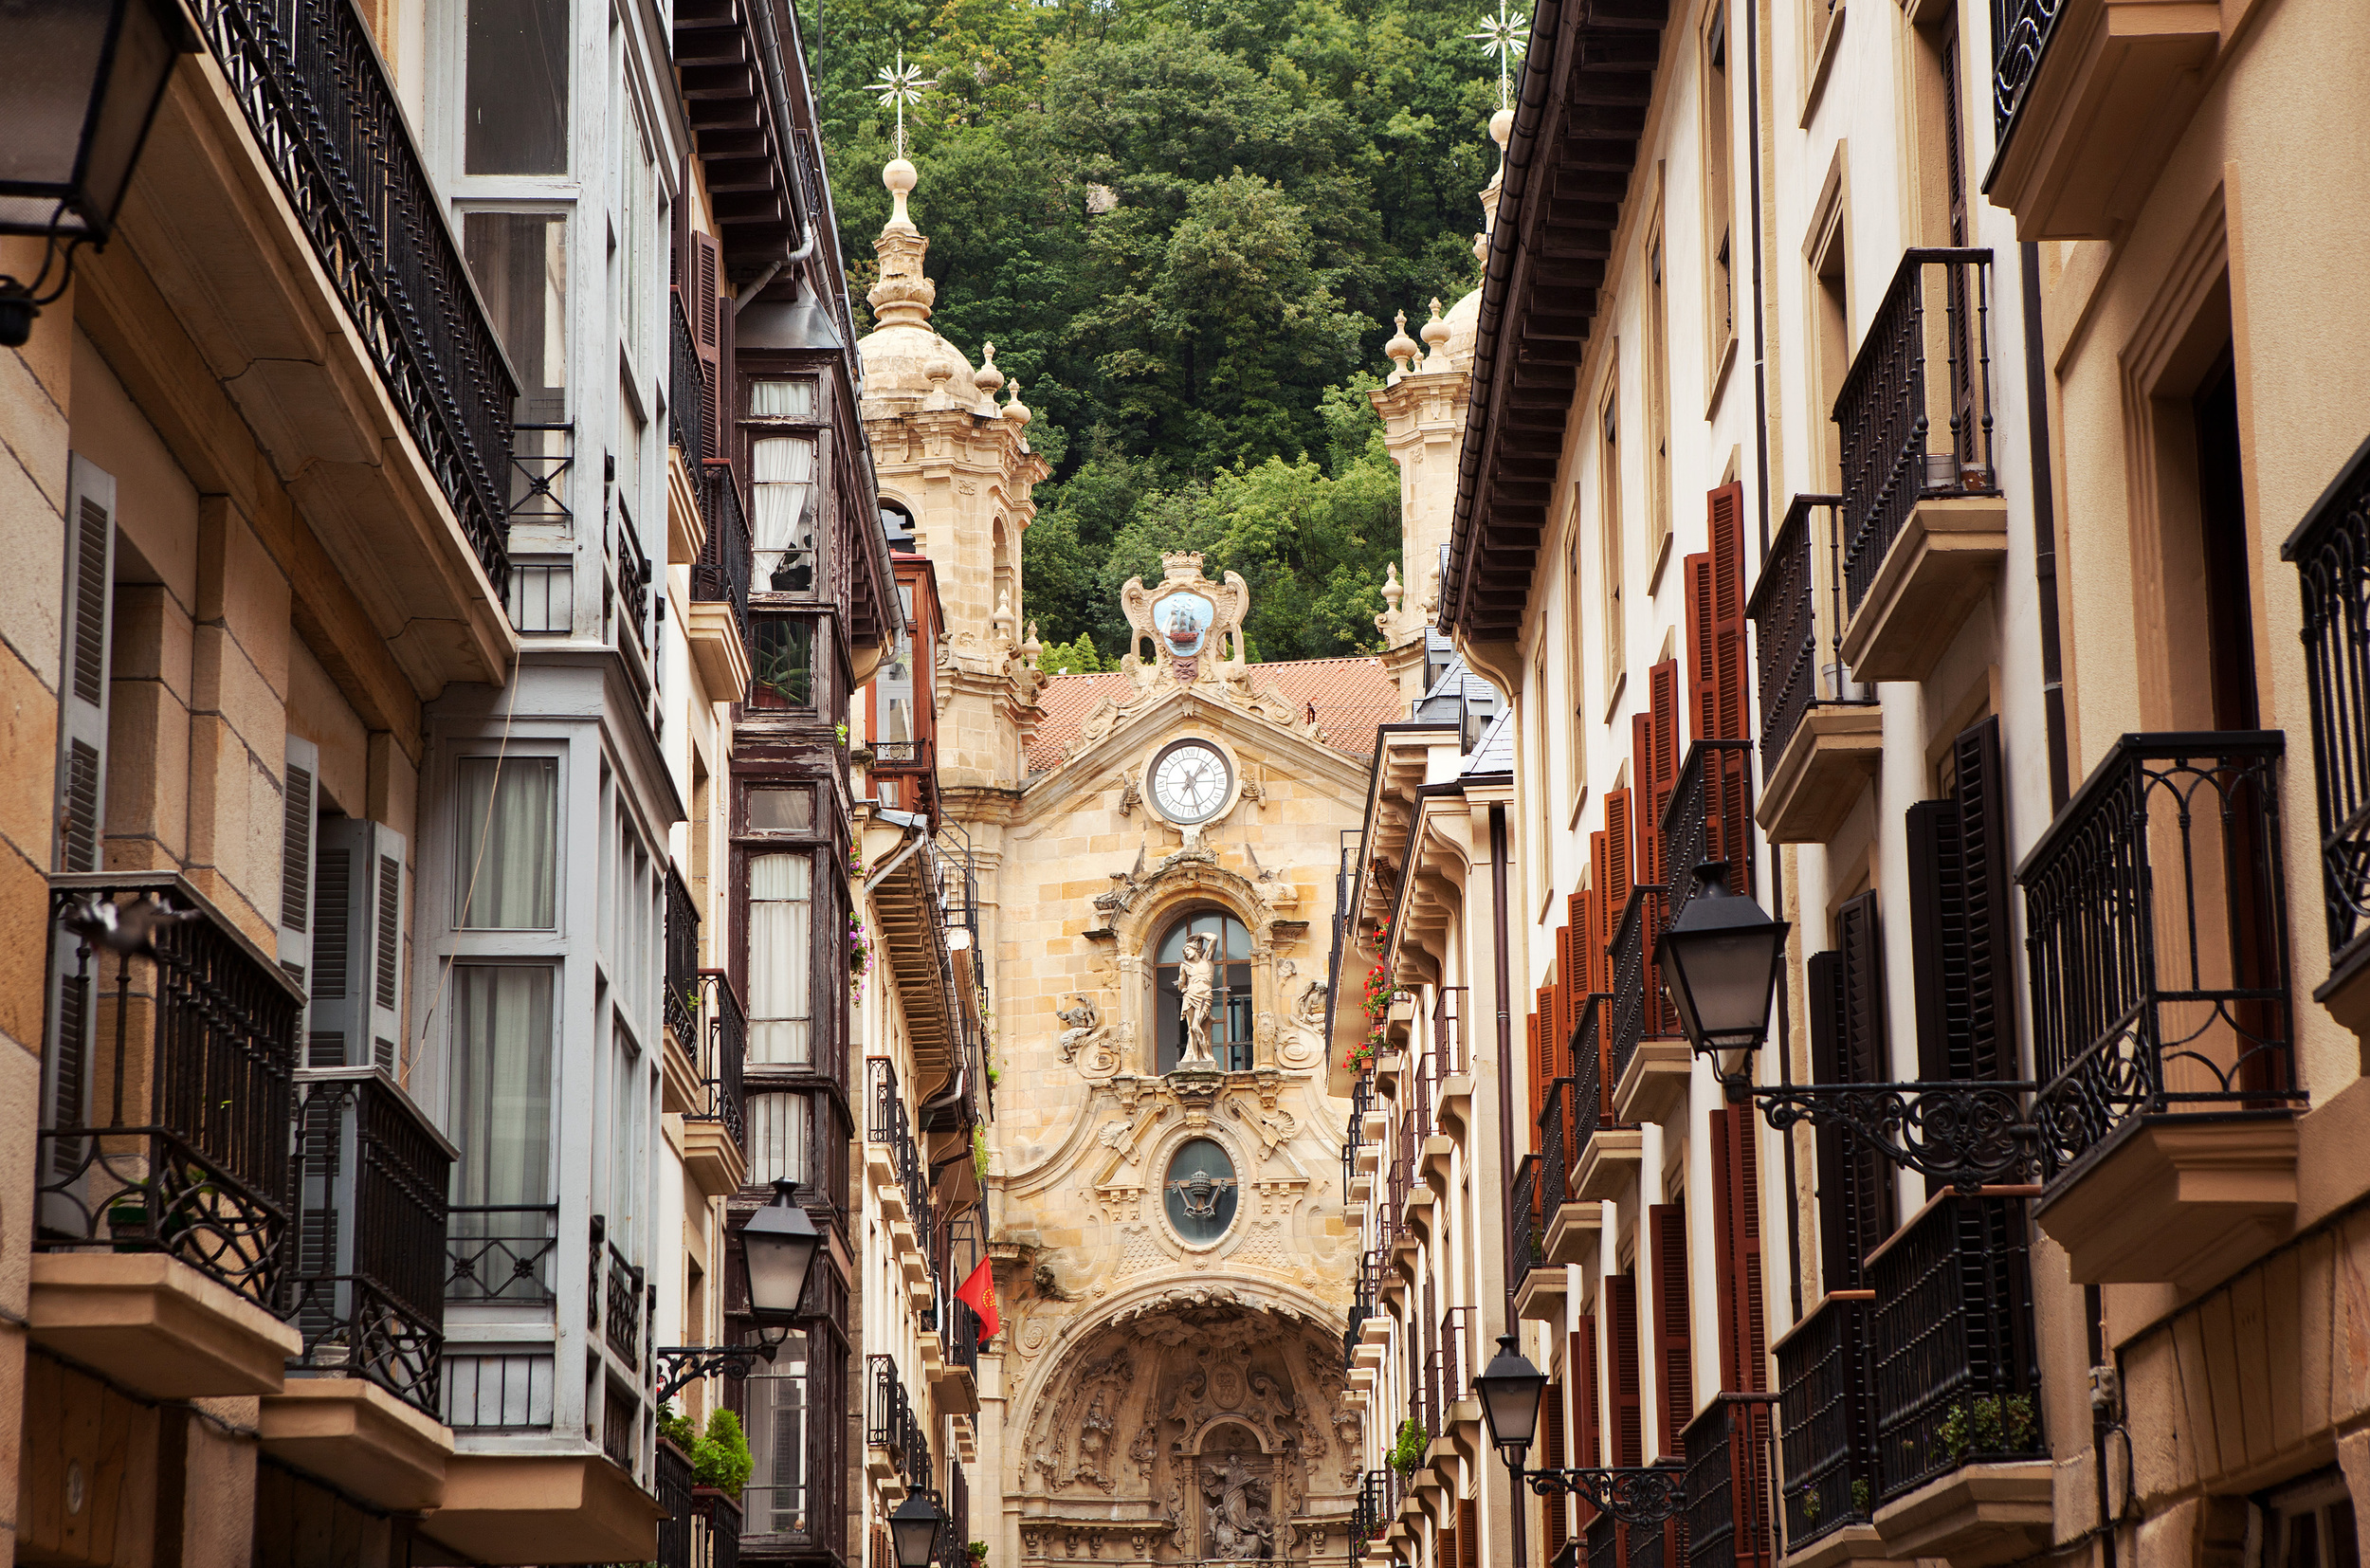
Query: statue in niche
1094, 1444
1242, 1528
1197, 985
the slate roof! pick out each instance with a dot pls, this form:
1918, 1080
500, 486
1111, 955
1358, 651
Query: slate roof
1351, 699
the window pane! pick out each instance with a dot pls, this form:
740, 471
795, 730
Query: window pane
628, 1118
501, 1084
519, 264
783, 663
782, 532
517, 91
774, 1500
782, 398
777, 1138
507, 860
781, 947
1199, 1190
781, 810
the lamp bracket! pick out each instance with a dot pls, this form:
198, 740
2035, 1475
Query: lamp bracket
1634, 1494
1969, 1134
20, 301
683, 1364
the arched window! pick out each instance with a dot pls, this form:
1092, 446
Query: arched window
1229, 982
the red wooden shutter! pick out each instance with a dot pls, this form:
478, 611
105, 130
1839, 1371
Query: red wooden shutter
1736, 1216
1645, 778
1629, 1430
709, 321
1468, 1533
1729, 719
1673, 1362
1581, 1357
1538, 1091
1614, 884
1703, 656
1557, 1509
1662, 685
1445, 1550
1566, 964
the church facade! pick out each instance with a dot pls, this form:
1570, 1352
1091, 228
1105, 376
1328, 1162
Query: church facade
1155, 851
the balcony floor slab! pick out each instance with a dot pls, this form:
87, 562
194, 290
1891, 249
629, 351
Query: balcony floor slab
1540, 1297
360, 1438
1609, 1164
155, 1326
1654, 1083
1944, 561
2175, 1200
548, 1508
1978, 1516
1820, 776
1575, 1233
1853, 1543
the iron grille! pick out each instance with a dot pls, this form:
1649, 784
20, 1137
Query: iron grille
722, 575
2331, 552
1824, 1425
682, 961
1727, 1482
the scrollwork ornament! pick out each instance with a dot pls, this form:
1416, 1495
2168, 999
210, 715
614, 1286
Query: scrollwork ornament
1643, 1495
1966, 1134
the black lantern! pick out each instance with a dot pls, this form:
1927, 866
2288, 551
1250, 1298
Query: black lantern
778, 1247
1509, 1399
914, 1530
83, 83
1720, 962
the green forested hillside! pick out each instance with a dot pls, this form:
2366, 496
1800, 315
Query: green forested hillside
1185, 226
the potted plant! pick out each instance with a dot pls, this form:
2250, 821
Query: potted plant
1406, 1454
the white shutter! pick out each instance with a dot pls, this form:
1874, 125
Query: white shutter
358, 909
86, 621
299, 786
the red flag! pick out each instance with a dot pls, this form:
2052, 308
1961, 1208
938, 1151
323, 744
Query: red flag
978, 1293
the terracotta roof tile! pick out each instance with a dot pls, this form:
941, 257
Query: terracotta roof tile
1351, 696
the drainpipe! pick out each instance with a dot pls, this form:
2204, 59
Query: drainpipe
2044, 534
1504, 975
806, 248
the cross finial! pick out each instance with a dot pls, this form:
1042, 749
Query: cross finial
1506, 35
897, 86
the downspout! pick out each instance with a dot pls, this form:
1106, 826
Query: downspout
749, 292
2045, 537
1504, 975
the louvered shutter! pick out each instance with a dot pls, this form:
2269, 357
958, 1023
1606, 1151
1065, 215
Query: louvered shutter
1662, 685
1838, 1245
1588, 1445
1617, 881
1982, 800
1444, 1549
1674, 1373
1702, 659
1730, 717
1537, 1084
1642, 780
1736, 1217
358, 926
80, 784
1468, 1533
708, 313
1557, 1509
1938, 938
1859, 987
299, 773
88, 617
1629, 1430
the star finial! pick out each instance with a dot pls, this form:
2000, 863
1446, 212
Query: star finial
902, 84
1506, 35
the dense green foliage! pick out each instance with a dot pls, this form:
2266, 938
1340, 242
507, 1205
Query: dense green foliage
1185, 226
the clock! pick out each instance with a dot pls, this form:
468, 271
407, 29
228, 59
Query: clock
1191, 780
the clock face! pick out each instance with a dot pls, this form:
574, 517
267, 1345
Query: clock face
1189, 781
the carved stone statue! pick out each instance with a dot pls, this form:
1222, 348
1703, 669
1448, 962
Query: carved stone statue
1241, 1529
1082, 1020
1197, 987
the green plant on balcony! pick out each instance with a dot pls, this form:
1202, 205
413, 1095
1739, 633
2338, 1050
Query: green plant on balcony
1998, 1423
1810, 1507
976, 1552
1859, 1497
1406, 1454
721, 1459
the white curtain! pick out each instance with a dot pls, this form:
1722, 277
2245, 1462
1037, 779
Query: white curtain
628, 1110
781, 946
516, 879
783, 476
777, 1138
782, 399
503, 1085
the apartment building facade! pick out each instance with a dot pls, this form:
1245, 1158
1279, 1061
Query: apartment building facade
406, 629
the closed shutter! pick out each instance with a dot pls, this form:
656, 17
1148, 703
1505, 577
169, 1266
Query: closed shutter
708, 312
1615, 882
1982, 798
1857, 1209
1675, 1364
1590, 920
1729, 719
1663, 750
1468, 1533
1557, 1509
359, 924
300, 773
1444, 1549
1736, 1217
1938, 938
1703, 660
1838, 1245
80, 786
1621, 1343
1587, 1425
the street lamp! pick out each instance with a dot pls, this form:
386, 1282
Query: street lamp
78, 104
778, 1247
1721, 959
1635, 1494
914, 1530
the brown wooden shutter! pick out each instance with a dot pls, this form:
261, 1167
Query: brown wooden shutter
1938, 938
1838, 1246
1702, 657
1587, 1451
1616, 882
1729, 719
1468, 1533
1629, 1429
1566, 962
1736, 1217
1557, 1509
1849, 987
1982, 797
1662, 685
1643, 780
708, 314
1673, 1361
724, 434
1537, 1086
1445, 1550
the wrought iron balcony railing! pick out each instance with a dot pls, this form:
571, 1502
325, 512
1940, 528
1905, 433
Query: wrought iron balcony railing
541, 456
1448, 1032
367, 1286
1370, 1515
1649, 1546
686, 388
1826, 1427
1557, 1148
500, 1252
1591, 1090
723, 1522
723, 1034
888, 1125
682, 1009
167, 1101
891, 1423
1526, 1232
307, 76
621, 1297
1453, 1362
1937, 311
1953, 1374
1709, 817
1727, 1482
2021, 30
721, 573
2157, 936
1600, 1543
1641, 1009
670, 1483
2331, 552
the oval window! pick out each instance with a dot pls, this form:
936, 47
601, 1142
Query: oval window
1200, 1190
